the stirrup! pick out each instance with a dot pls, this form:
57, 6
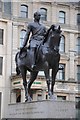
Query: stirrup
33, 67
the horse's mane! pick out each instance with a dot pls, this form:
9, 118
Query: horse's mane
47, 33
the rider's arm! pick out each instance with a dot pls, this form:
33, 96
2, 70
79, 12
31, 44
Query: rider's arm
45, 30
45, 34
27, 35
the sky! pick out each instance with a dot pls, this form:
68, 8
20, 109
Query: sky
43, 0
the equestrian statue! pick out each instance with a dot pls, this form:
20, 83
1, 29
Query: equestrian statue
41, 55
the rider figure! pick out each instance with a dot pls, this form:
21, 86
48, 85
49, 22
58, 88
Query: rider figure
38, 31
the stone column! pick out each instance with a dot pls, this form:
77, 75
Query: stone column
13, 97
15, 44
43, 94
22, 95
71, 56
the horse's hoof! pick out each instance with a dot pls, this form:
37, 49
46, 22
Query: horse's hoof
52, 97
26, 100
29, 99
49, 93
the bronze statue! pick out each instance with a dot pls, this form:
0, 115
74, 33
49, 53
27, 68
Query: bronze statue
38, 31
48, 57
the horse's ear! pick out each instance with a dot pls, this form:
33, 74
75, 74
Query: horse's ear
59, 27
52, 27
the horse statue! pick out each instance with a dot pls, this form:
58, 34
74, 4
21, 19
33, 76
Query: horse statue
47, 58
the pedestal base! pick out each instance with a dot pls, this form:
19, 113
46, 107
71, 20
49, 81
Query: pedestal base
42, 109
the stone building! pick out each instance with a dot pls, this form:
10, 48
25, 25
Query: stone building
14, 17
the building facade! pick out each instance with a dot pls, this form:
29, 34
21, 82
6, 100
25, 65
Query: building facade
14, 18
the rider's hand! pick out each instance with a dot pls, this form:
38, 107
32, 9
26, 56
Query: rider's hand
21, 49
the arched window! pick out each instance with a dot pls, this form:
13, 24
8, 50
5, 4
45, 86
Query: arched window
1, 36
7, 6
62, 44
78, 18
24, 11
22, 35
61, 17
1, 65
43, 14
78, 72
61, 73
78, 45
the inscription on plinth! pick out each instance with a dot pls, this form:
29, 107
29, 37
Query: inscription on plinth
43, 109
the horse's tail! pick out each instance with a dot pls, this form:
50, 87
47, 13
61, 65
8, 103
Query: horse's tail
17, 68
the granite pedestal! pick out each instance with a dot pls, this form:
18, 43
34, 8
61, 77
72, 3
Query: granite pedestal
42, 109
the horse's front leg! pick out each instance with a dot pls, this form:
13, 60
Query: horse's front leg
23, 73
53, 83
33, 76
46, 71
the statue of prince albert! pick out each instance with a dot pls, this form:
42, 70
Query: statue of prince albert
37, 31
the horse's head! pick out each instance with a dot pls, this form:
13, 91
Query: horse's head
54, 37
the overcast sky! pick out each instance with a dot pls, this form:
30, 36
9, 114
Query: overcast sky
43, 0
67, 0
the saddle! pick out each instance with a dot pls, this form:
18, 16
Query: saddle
41, 49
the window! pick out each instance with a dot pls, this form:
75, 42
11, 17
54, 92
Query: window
78, 18
24, 11
22, 35
77, 99
61, 98
7, 7
61, 73
78, 72
43, 14
1, 65
0, 103
46, 96
1, 36
61, 17
62, 44
78, 45
1, 5
18, 95
39, 97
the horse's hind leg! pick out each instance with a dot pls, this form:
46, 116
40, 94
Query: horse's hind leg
33, 76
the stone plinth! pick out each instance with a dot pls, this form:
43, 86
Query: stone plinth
42, 109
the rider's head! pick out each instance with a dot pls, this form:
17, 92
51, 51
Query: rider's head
37, 15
